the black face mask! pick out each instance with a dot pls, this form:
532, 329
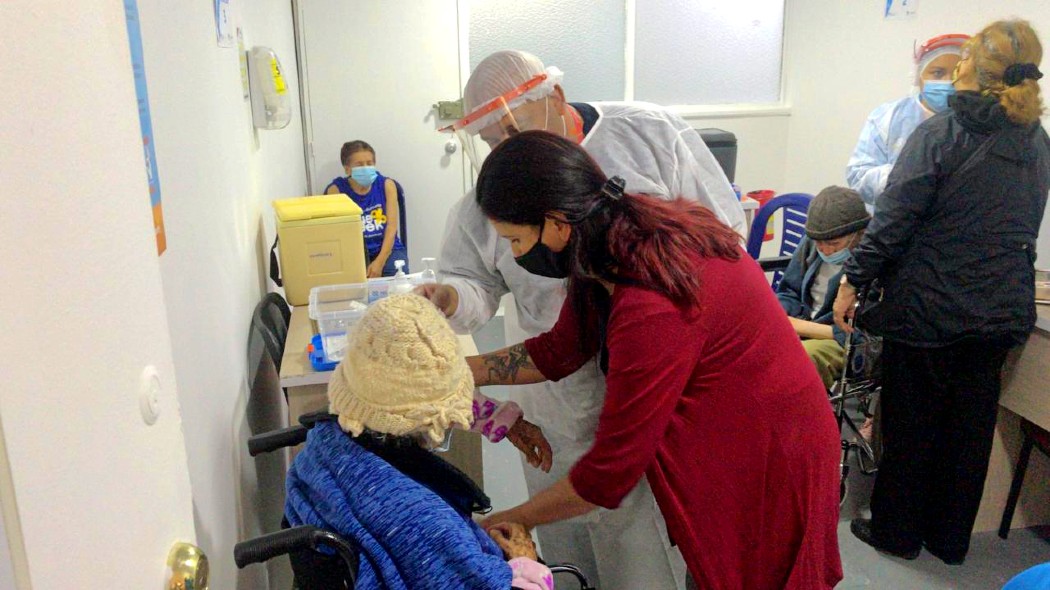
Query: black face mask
541, 260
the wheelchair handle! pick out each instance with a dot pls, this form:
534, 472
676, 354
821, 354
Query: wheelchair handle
287, 437
774, 264
268, 442
267, 547
575, 571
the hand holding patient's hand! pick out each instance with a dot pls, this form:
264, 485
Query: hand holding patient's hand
514, 539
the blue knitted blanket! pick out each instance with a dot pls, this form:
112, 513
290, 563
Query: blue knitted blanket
409, 537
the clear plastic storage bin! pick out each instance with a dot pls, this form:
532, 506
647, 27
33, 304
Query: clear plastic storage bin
336, 308
380, 288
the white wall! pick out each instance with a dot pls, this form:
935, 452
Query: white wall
843, 59
100, 495
218, 179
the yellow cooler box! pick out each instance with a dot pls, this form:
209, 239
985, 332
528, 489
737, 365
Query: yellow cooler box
322, 243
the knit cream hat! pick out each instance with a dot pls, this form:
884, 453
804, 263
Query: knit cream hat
403, 373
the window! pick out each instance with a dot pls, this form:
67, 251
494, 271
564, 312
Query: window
585, 39
679, 52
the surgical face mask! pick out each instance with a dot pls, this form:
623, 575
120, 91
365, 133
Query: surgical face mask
541, 260
842, 255
839, 257
364, 175
935, 94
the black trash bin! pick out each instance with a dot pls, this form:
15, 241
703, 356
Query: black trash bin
722, 144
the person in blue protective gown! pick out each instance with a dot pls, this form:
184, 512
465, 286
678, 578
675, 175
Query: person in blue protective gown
889, 126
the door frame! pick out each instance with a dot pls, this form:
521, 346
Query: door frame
12, 524
299, 34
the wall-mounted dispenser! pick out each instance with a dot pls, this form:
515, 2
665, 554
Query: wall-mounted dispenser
271, 100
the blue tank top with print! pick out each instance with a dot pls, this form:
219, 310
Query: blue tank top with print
373, 212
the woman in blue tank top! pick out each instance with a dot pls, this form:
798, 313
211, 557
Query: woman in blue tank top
377, 197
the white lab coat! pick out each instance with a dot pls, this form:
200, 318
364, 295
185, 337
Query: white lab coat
656, 153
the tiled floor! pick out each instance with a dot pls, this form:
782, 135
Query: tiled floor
990, 563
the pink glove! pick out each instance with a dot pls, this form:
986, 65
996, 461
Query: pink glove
530, 575
492, 418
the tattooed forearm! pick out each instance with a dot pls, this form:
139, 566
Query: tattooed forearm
504, 365
509, 366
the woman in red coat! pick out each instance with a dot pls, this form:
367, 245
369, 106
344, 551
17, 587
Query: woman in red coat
709, 392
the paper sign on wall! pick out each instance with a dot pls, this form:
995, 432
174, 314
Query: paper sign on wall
224, 29
138, 66
896, 9
244, 63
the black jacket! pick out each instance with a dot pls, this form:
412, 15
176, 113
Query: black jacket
956, 255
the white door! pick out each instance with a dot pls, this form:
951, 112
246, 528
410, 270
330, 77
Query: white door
92, 496
372, 70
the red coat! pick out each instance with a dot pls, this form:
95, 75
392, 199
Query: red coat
723, 411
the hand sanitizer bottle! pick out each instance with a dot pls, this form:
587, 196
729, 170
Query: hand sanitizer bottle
400, 283
429, 275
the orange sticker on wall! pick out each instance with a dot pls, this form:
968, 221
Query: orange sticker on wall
158, 229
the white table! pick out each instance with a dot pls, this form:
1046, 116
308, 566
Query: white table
750, 207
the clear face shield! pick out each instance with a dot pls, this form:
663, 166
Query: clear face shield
479, 136
955, 40
491, 123
933, 49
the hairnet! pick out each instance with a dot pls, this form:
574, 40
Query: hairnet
504, 71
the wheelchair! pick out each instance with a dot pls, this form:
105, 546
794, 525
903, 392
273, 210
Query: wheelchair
308, 546
854, 396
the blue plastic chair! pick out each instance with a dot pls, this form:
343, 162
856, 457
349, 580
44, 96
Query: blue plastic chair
402, 226
795, 206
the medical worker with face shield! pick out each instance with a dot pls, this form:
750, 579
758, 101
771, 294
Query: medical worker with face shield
889, 126
657, 153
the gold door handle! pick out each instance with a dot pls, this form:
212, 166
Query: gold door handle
189, 567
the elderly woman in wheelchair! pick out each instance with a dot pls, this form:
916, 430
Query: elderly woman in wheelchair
384, 510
